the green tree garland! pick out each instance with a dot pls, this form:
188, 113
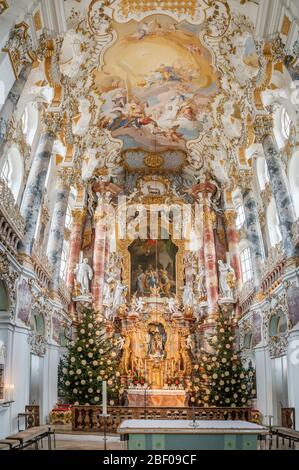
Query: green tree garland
220, 378
91, 358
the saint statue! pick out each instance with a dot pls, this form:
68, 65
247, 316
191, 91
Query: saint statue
107, 298
188, 296
119, 297
156, 341
84, 274
226, 279
201, 283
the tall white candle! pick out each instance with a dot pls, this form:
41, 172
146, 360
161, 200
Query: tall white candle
104, 397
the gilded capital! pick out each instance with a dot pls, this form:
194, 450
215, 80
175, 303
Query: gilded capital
245, 179
78, 215
230, 216
263, 126
52, 122
64, 177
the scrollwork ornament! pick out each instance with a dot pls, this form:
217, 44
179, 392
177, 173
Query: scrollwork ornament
263, 127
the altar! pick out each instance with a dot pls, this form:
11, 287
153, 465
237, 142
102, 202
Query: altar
167, 434
149, 398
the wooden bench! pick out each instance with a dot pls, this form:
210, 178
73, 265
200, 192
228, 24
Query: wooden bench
33, 436
4, 446
285, 433
11, 443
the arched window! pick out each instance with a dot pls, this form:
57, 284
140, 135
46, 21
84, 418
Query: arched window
12, 171
278, 324
294, 180
4, 299
68, 217
273, 224
262, 172
246, 265
30, 120
39, 324
63, 263
240, 215
248, 341
285, 124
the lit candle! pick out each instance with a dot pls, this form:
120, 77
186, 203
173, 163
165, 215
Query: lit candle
6, 392
104, 397
12, 389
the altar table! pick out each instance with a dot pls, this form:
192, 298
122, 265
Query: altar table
165, 434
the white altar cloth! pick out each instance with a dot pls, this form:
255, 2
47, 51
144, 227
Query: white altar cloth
183, 426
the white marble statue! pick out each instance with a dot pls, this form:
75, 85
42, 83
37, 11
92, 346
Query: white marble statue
201, 282
189, 342
121, 342
188, 296
172, 304
84, 274
139, 304
107, 297
119, 297
226, 279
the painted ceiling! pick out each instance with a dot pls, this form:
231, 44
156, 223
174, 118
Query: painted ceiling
159, 77
156, 82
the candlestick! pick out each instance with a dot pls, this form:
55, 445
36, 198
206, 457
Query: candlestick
104, 397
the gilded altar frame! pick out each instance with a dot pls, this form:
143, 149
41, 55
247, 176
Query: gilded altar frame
122, 247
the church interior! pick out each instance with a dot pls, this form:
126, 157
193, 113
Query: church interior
149, 224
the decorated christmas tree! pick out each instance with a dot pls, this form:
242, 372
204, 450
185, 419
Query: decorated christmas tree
91, 358
220, 379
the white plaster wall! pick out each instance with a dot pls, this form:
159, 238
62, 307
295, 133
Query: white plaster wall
293, 371
18, 373
264, 398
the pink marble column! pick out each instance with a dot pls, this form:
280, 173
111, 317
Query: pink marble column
199, 230
99, 256
233, 244
210, 255
75, 244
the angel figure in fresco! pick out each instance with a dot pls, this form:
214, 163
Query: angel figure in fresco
226, 279
119, 297
84, 274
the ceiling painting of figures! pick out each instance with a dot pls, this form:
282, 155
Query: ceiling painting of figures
156, 83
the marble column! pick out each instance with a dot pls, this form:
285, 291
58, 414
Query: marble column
36, 180
199, 230
233, 244
10, 104
210, 258
283, 200
99, 259
56, 235
254, 234
75, 244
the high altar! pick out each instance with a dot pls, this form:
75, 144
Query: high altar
158, 292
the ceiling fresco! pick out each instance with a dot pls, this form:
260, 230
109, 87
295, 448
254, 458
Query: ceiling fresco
156, 82
155, 78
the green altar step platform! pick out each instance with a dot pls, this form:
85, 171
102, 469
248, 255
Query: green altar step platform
190, 435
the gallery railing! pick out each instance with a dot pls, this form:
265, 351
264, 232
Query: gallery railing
90, 418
